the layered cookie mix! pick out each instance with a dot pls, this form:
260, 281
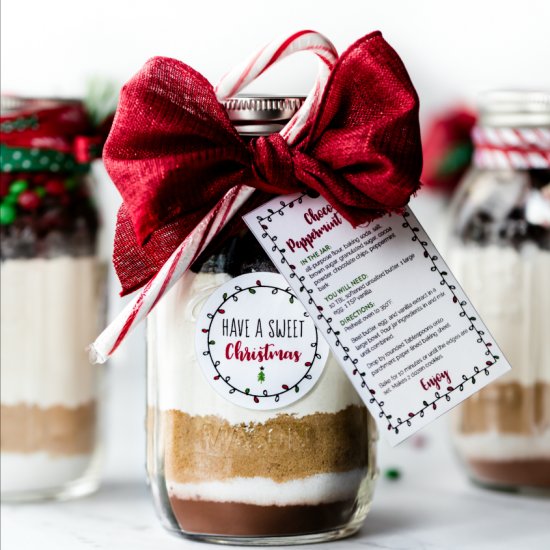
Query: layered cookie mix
233, 471
48, 388
50, 281
503, 431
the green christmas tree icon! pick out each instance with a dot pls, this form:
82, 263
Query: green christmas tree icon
261, 377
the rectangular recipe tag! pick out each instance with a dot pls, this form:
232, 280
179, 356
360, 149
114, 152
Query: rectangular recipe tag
395, 317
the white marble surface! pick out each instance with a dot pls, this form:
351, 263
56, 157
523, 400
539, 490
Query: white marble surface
432, 506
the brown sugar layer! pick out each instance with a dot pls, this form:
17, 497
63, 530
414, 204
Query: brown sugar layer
238, 519
512, 473
507, 408
57, 430
206, 448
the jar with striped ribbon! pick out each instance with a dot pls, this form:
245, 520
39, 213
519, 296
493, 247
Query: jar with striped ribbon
500, 253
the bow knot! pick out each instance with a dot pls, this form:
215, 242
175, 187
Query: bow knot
273, 164
174, 154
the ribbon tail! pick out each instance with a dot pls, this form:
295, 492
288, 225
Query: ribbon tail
178, 263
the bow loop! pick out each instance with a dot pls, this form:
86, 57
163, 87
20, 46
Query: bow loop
170, 136
273, 164
367, 132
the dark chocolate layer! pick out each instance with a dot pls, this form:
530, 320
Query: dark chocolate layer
250, 520
512, 473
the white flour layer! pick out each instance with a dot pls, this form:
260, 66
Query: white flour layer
511, 292
49, 315
182, 385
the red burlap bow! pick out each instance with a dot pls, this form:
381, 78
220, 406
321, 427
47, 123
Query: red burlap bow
173, 152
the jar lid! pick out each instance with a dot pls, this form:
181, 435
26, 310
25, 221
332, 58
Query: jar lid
515, 108
14, 104
261, 115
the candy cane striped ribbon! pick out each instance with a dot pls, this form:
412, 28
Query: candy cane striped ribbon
511, 148
188, 251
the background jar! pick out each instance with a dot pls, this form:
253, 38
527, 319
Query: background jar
51, 281
500, 253
224, 473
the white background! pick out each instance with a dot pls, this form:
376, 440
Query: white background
452, 49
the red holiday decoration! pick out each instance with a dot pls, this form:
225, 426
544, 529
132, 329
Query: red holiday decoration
447, 149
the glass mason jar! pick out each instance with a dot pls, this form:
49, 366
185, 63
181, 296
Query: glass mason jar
51, 301
228, 473
500, 253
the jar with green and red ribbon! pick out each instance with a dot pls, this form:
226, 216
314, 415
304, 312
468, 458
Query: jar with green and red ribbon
51, 285
46, 147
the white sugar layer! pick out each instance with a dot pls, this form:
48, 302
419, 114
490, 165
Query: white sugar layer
40, 471
499, 446
316, 489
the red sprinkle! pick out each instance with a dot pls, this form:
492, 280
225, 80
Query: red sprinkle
29, 200
55, 187
4, 186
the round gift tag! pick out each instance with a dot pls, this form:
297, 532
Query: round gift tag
256, 344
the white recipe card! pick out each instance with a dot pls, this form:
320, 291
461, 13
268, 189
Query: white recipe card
395, 317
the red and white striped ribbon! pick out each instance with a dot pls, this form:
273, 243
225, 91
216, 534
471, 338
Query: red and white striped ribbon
511, 148
188, 251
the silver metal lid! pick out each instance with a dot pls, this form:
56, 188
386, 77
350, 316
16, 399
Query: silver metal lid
515, 108
261, 115
12, 104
